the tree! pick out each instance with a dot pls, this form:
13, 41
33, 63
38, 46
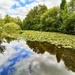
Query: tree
7, 19
1, 29
18, 21
62, 5
1, 26
50, 19
70, 24
64, 14
10, 28
71, 6
1, 22
32, 20
63, 9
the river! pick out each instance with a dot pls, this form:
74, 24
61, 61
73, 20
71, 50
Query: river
36, 58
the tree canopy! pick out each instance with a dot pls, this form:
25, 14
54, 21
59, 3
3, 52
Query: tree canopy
62, 5
50, 19
11, 28
55, 19
32, 20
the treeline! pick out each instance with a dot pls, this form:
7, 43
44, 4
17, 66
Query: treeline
9, 19
9, 25
55, 19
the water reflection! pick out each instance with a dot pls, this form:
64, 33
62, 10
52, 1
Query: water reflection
20, 59
1, 47
65, 54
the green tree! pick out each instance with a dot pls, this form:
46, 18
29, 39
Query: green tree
1, 26
10, 31
50, 19
11, 28
18, 21
1, 29
71, 6
64, 14
32, 20
70, 24
7, 19
62, 5
1, 22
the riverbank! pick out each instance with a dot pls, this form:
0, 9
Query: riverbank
59, 39
67, 41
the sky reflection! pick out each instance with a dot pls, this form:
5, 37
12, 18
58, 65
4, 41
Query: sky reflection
19, 59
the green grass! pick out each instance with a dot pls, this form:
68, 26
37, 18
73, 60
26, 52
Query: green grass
65, 40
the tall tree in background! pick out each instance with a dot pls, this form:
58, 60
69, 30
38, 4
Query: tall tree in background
50, 19
63, 14
18, 21
71, 6
1, 22
62, 5
63, 9
70, 24
32, 20
7, 19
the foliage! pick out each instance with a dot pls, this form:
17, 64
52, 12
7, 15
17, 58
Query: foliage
71, 6
68, 18
8, 25
62, 5
0, 31
52, 37
55, 19
1, 26
10, 28
70, 24
50, 19
32, 20
7, 19
16, 20
1, 22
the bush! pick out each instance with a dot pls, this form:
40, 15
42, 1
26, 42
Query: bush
0, 31
10, 28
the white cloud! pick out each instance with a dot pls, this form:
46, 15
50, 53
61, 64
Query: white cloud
6, 5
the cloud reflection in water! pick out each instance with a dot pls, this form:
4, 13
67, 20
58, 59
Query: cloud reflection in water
19, 59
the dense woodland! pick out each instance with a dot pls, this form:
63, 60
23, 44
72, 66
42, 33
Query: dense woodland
56, 19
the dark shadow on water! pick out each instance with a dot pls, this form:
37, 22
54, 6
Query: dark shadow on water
8, 39
1, 47
65, 54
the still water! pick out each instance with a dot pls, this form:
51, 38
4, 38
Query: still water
36, 58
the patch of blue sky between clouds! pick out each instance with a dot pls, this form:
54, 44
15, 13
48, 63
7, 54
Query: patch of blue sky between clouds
22, 4
15, 6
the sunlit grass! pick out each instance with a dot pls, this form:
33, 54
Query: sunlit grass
52, 37
65, 40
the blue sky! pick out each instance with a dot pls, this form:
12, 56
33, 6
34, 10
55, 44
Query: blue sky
22, 4
20, 8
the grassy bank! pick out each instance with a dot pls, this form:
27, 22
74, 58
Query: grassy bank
54, 38
65, 40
